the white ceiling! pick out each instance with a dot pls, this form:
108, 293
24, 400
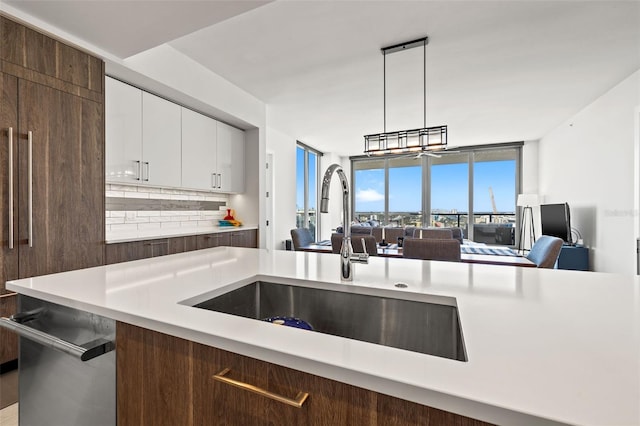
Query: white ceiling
497, 71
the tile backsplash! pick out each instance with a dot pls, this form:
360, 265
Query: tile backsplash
135, 208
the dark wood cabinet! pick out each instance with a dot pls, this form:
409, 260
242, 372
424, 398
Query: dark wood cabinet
168, 380
8, 340
52, 156
213, 240
134, 250
8, 178
182, 244
245, 238
42, 59
60, 169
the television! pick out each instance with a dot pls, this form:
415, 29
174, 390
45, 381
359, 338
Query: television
556, 221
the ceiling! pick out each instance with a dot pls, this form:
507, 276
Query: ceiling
496, 71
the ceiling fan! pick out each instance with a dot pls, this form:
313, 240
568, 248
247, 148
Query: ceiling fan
434, 154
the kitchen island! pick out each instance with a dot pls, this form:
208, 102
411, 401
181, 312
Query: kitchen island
542, 346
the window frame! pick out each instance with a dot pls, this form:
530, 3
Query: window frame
307, 151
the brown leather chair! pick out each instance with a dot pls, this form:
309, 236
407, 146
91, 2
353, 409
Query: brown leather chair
356, 243
432, 249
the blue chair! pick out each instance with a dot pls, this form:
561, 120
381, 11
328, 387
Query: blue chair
545, 251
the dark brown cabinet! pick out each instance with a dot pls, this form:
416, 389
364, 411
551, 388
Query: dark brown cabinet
245, 238
134, 250
8, 340
52, 156
168, 380
213, 240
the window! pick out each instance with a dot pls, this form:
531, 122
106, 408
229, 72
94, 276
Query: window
450, 191
307, 178
494, 196
369, 190
405, 187
475, 186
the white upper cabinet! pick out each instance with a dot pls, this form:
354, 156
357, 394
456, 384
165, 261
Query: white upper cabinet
198, 151
152, 141
230, 158
123, 125
161, 141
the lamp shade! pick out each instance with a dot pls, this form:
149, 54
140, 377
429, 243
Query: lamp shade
528, 200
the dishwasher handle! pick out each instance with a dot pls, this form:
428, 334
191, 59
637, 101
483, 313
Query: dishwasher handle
83, 352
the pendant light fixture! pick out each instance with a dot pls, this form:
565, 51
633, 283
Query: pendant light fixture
424, 139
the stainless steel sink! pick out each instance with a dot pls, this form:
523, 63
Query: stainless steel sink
423, 327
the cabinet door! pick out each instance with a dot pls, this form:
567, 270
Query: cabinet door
8, 178
64, 229
213, 240
182, 244
161, 147
246, 238
198, 151
123, 106
230, 158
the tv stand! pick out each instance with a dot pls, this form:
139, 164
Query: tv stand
573, 257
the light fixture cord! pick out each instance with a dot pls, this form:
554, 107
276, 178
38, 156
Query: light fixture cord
384, 92
424, 74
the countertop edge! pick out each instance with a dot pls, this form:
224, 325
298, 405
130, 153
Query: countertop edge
177, 233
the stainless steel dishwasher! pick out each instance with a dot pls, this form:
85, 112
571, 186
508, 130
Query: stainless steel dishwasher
67, 365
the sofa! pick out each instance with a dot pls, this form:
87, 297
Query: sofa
391, 234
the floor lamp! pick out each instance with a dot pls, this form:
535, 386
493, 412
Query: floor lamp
527, 201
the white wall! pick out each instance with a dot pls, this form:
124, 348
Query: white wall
245, 204
588, 161
283, 148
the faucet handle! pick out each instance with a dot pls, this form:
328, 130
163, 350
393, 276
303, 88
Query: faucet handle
361, 257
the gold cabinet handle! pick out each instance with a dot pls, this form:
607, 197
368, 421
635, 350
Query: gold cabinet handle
296, 402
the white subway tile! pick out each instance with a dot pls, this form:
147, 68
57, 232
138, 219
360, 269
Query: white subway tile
112, 193
107, 213
153, 190
112, 220
118, 213
205, 223
160, 219
158, 196
149, 226
180, 197
143, 195
136, 220
196, 197
148, 213
125, 227
126, 188
170, 225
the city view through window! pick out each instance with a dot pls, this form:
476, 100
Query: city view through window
393, 192
493, 193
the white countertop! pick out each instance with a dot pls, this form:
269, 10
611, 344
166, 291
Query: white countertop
154, 234
543, 346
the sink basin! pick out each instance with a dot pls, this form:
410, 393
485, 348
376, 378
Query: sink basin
428, 328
